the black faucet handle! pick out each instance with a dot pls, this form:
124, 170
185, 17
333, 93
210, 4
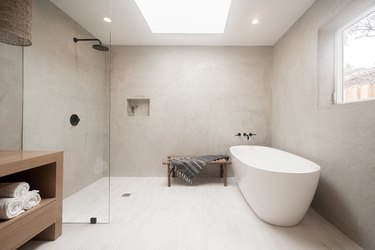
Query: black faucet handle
238, 134
251, 134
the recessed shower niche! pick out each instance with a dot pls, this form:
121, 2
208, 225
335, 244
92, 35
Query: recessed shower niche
138, 107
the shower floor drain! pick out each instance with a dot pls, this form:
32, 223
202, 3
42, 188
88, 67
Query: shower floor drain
126, 195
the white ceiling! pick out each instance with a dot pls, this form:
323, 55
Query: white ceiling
130, 28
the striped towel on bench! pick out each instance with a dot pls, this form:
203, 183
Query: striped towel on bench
190, 166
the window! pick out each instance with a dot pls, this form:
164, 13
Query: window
355, 59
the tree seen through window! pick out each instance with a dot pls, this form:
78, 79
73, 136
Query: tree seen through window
359, 60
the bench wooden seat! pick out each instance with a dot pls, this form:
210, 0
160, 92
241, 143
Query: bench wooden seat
223, 163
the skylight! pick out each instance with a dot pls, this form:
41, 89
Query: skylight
185, 16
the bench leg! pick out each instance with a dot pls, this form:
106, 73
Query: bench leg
173, 172
169, 174
221, 170
225, 175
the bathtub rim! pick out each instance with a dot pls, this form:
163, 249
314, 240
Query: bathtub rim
316, 167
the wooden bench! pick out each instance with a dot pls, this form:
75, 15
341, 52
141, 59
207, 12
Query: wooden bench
171, 172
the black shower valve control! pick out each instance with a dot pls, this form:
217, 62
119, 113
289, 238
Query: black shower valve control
252, 134
238, 134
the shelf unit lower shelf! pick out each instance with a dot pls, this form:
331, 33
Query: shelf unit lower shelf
43, 203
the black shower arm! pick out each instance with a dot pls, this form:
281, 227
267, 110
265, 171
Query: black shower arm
87, 39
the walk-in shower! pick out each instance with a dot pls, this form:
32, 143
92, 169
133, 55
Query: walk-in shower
95, 46
66, 90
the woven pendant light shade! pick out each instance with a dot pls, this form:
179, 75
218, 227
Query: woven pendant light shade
15, 22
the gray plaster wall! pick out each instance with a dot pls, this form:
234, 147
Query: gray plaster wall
10, 97
200, 97
64, 78
340, 138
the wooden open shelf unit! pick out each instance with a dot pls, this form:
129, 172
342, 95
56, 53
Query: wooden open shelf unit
43, 171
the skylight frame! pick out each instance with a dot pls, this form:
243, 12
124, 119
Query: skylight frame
175, 16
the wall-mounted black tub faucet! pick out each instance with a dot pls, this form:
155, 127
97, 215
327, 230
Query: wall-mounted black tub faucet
246, 135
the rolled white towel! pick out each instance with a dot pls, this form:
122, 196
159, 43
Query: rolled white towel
31, 199
14, 189
10, 207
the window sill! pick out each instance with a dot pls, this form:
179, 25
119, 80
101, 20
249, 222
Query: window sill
352, 104
355, 102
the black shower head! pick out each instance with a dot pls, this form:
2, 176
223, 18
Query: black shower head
99, 46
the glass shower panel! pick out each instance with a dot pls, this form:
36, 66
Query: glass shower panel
10, 97
66, 104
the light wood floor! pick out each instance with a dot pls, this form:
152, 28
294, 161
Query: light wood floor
205, 216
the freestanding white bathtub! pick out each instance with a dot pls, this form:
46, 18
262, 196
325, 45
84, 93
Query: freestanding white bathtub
278, 186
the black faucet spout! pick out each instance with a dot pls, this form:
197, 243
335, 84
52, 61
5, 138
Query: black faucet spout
247, 135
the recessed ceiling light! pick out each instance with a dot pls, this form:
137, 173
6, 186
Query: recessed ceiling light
185, 16
107, 19
255, 21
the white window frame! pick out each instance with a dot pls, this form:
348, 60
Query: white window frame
339, 58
